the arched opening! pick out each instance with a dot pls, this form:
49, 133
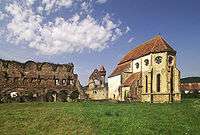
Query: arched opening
158, 83
62, 96
97, 83
146, 84
74, 95
51, 96
54, 96
95, 92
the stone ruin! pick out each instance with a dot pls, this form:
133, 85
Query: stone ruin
31, 81
97, 88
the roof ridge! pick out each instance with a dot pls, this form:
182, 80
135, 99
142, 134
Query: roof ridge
157, 44
145, 42
138, 46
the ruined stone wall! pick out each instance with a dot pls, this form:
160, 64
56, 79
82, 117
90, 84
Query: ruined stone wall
40, 80
97, 88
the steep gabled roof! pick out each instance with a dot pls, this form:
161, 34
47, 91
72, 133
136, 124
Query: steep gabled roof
191, 86
155, 45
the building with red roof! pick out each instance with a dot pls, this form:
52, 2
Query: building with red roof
148, 73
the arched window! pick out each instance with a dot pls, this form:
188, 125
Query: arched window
137, 65
158, 83
146, 61
57, 82
170, 60
146, 84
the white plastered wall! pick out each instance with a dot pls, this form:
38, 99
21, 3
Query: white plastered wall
113, 86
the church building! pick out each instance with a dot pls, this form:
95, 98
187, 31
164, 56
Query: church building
147, 73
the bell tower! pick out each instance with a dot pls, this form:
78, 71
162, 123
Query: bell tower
102, 73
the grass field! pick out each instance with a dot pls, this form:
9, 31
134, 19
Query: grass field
100, 118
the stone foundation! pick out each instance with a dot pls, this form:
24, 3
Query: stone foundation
161, 97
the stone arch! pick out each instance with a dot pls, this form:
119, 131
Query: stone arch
74, 95
63, 96
51, 96
26, 96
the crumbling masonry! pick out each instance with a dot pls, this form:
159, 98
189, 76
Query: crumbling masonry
38, 81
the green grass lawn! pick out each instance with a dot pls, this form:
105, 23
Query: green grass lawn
100, 118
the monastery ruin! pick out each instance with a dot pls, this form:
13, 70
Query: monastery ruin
147, 73
38, 81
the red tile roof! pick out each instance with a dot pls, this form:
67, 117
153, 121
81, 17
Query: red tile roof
154, 45
120, 68
131, 79
190, 86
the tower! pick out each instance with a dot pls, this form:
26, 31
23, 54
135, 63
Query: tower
97, 89
102, 73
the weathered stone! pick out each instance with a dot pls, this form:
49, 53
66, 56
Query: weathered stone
97, 89
37, 81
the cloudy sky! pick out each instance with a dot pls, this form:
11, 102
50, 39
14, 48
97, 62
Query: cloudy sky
90, 33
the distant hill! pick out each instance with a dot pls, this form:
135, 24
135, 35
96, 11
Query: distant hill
190, 80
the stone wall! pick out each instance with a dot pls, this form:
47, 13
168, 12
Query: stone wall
38, 81
97, 88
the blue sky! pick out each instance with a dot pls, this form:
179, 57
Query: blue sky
178, 21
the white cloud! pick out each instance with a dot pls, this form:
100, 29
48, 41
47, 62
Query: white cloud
50, 5
2, 15
24, 24
61, 35
131, 40
127, 29
101, 1
74, 35
30, 2
86, 6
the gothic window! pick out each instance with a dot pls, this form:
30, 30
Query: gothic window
137, 65
146, 61
94, 92
97, 82
100, 82
64, 82
158, 83
57, 82
170, 60
68, 82
138, 82
158, 59
39, 80
146, 84
15, 80
31, 80
71, 82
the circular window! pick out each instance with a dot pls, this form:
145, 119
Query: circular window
146, 61
158, 59
137, 65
